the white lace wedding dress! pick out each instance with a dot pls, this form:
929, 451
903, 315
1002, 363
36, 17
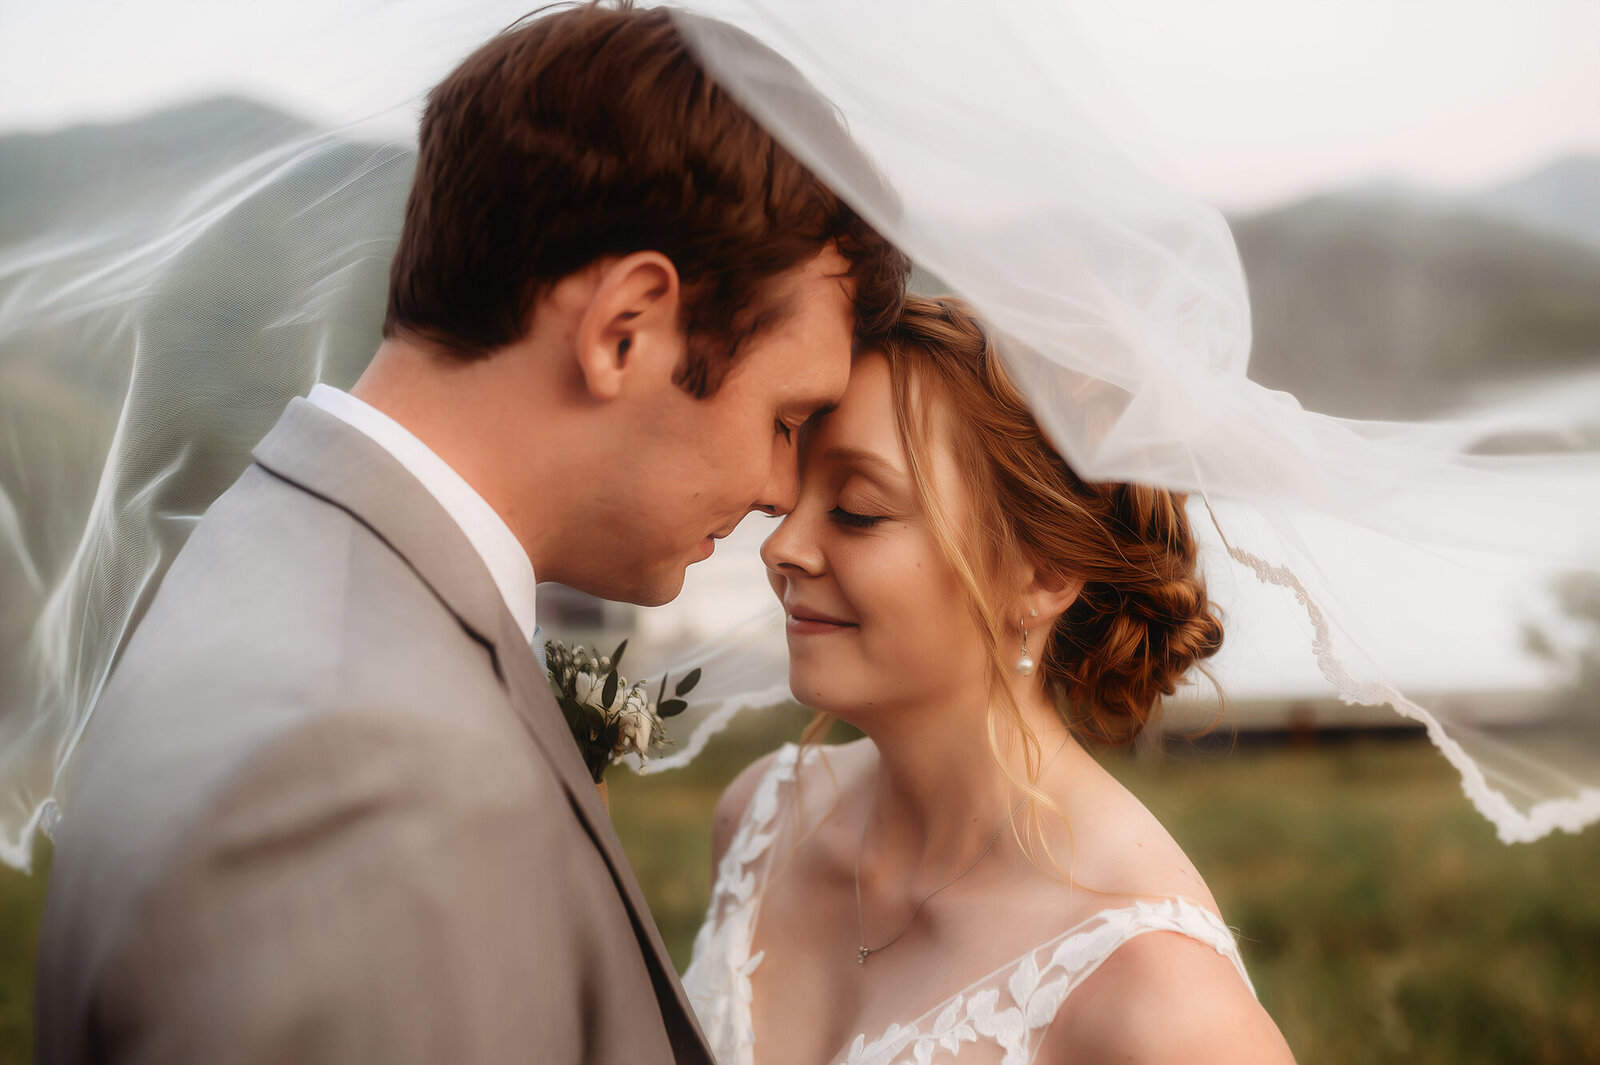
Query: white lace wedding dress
1001, 1017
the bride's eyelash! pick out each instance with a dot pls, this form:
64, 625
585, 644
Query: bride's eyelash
855, 521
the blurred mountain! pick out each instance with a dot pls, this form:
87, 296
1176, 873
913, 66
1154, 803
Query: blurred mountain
1378, 300
1384, 301
1562, 198
278, 279
80, 176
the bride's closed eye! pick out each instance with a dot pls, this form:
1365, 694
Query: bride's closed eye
852, 519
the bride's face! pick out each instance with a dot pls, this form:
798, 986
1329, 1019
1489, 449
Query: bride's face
876, 615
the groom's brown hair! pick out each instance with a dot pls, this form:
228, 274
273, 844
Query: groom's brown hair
592, 131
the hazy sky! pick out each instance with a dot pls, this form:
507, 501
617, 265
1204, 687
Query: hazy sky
1259, 100
1251, 101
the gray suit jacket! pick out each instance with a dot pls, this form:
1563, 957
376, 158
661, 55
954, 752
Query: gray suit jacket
328, 811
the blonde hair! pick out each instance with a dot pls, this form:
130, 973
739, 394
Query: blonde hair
1142, 619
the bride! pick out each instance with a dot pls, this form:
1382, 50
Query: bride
967, 883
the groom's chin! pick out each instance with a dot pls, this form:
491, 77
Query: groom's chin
658, 589
635, 582
659, 596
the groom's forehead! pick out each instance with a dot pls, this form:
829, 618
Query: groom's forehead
805, 333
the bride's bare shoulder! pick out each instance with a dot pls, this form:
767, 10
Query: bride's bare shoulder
1164, 997
847, 763
1161, 996
1120, 849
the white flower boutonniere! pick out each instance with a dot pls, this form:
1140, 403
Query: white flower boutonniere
609, 717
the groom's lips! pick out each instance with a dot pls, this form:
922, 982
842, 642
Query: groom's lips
709, 544
804, 621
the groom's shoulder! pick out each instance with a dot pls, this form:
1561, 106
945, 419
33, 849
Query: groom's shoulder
282, 614
284, 607
283, 587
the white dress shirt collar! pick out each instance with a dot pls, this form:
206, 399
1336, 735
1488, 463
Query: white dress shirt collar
502, 553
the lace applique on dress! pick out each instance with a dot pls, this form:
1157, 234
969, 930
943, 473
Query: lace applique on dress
1003, 1016
718, 979
1000, 1018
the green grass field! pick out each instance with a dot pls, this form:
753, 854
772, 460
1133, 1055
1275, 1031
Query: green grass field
1380, 919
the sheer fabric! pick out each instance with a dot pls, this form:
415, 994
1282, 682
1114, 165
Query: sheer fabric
152, 328
1000, 1016
1121, 310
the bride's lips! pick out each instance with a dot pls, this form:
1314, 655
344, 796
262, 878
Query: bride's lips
804, 621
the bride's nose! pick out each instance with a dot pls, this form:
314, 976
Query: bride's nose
793, 549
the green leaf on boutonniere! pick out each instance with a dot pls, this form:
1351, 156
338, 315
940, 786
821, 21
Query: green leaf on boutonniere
613, 718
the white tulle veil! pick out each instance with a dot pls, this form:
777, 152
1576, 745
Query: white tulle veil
149, 339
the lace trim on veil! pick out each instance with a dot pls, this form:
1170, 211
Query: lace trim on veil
1511, 824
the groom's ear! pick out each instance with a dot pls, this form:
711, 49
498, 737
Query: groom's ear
631, 320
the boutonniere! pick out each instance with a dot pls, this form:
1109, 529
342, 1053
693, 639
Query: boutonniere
609, 717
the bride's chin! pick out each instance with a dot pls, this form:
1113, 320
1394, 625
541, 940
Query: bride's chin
823, 698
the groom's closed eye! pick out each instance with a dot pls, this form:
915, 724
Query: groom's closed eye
794, 418
809, 426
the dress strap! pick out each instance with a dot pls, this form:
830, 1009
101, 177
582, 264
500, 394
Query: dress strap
1011, 1007
718, 979
743, 867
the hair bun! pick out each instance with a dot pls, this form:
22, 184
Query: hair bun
1131, 637
1142, 619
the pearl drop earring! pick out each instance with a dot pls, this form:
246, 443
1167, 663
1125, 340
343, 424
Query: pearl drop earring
1024, 662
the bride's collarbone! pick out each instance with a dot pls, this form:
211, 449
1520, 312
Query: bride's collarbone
811, 998
809, 934
810, 928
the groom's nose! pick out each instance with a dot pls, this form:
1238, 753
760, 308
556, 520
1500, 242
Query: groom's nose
782, 490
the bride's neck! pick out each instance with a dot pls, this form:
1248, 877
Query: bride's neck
940, 791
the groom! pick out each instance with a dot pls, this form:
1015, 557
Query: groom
328, 810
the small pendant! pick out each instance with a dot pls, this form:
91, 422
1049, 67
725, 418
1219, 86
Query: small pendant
861, 955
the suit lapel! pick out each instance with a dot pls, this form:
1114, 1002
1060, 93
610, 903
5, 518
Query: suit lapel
321, 454
528, 686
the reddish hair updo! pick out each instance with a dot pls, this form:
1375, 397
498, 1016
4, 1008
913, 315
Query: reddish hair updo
1142, 619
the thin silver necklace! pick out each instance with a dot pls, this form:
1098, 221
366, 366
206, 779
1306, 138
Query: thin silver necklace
862, 950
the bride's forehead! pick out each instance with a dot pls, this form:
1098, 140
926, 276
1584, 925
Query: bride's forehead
869, 402
865, 416
863, 432
871, 386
